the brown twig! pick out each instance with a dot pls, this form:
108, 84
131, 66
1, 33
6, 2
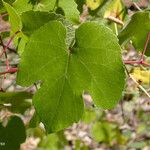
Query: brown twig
116, 20
137, 7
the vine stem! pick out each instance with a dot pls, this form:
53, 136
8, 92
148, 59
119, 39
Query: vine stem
141, 61
11, 70
5, 48
130, 62
116, 20
10, 49
7, 62
138, 8
9, 42
8, 69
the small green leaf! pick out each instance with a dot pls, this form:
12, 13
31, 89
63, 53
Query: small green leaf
14, 18
89, 116
104, 131
137, 30
93, 64
100, 133
12, 135
70, 10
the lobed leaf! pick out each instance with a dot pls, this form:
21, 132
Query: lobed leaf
93, 64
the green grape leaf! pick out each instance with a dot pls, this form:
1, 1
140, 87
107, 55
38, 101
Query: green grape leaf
70, 10
137, 30
14, 18
13, 134
93, 64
